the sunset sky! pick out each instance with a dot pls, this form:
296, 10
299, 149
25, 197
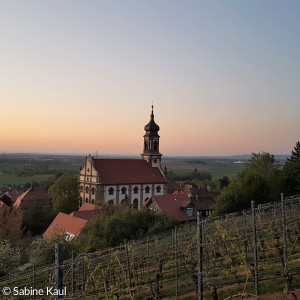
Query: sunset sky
80, 76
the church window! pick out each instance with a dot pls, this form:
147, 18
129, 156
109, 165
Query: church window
111, 191
158, 189
123, 190
86, 189
81, 189
146, 145
147, 189
155, 146
93, 201
93, 191
135, 203
136, 190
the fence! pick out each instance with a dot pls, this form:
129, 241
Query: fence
253, 252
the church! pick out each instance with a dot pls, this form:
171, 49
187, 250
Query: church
117, 180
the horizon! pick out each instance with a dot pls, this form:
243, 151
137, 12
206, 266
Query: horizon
80, 77
129, 155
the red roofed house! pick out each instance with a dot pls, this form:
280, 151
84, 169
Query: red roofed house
204, 200
178, 207
66, 225
34, 197
116, 180
70, 225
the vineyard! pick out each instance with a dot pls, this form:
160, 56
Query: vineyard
242, 255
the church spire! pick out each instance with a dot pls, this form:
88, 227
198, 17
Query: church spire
151, 142
152, 115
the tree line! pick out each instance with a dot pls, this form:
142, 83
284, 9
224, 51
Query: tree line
262, 180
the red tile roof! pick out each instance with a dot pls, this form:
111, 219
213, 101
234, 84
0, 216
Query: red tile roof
86, 211
34, 196
86, 214
64, 223
87, 206
173, 206
127, 171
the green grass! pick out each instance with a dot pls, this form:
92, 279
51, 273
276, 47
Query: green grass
11, 179
31, 172
229, 170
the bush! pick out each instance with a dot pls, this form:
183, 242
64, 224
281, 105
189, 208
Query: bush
114, 224
10, 257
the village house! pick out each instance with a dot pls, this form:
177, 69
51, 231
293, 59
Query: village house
175, 206
184, 203
70, 226
34, 197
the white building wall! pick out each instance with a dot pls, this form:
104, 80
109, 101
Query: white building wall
107, 196
122, 196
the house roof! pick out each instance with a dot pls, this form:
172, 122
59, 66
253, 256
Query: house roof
64, 223
127, 171
87, 206
173, 205
86, 211
33, 196
204, 202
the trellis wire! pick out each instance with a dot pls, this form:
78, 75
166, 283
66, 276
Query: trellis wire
171, 265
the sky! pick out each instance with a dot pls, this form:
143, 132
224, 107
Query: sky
81, 76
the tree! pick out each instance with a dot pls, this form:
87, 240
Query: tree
11, 225
224, 181
291, 171
295, 153
261, 181
114, 223
42, 251
10, 257
65, 194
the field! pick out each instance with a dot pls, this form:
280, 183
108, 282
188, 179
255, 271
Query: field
216, 167
20, 169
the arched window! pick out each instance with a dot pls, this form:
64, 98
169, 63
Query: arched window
146, 199
123, 190
81, 189
146, 145
111, 191
93, 201
135, 203
86, 189
147, 189
158, 189
155, 146
93, 191
86, 200
135, 190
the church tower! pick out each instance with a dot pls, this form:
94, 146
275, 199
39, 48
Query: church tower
151, 143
